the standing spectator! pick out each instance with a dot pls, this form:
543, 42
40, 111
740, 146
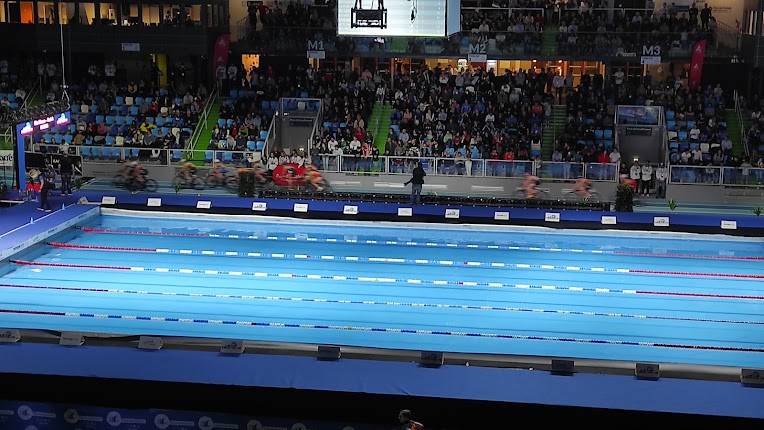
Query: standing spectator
233, 72
65, 168
615, 156
46, 181
416, 181
661, 174
558, 82
635, 174
705, 16
647, 178
220, 75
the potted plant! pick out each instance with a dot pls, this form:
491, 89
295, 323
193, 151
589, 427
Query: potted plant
624, 198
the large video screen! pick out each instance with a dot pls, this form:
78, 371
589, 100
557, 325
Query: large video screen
638, 115
396, 17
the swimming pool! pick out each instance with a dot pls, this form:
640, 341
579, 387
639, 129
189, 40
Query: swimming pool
660, 297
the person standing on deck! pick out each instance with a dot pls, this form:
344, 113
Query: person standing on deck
416, 181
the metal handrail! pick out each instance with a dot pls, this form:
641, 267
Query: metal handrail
202, 124
743, 131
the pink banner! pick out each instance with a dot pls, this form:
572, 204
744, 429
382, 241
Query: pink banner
696, 67
220, 55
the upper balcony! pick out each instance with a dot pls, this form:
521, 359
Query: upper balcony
182, 28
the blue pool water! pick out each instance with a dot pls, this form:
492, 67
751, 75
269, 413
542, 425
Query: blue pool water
676, 298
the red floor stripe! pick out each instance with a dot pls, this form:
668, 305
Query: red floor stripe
72, 266
698, 274
717, 296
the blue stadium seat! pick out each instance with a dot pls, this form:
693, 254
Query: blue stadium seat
682, 135
99, 119
120, 100
251, 145
134, 110
109, 120
260, 145
208, 156
176, 154
227, 156
221, 122
263, 134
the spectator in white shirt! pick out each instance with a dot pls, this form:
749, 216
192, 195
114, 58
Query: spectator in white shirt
635, 172
297, 159
695, 133
686, 156
615, 156
273, 162
355, 145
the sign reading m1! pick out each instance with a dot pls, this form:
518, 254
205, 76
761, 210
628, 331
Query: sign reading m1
316, 49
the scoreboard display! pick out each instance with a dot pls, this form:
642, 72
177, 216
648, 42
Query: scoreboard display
425, 18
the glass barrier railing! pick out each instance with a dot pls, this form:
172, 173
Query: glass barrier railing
707, 175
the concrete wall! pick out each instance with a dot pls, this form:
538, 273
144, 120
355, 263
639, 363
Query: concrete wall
453, 185
108, 170
692, 193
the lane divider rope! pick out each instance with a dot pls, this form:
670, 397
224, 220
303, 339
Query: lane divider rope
384, 280
382, 303
396, 330
429, 244
391, 260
